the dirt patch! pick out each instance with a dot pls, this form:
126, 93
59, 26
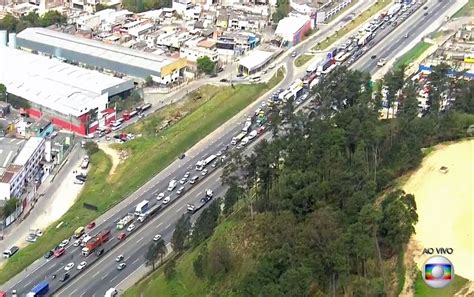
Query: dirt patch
116, 156
445, 205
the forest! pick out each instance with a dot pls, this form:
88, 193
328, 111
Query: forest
318, 208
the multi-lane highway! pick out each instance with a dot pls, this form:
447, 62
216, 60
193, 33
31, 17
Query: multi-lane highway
103, 274
396, 41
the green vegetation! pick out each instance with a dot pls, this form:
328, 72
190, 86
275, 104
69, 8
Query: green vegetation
13, 24
282, 10
145, 5
326, 217
302, 59
412, 54
378, 6
148, 155
422, 290
205, 65
466, 10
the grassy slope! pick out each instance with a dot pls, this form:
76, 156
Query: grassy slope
422, 290
303, 59
466, 10
148, 156
413, 54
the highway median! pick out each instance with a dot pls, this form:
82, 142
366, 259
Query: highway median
165, 135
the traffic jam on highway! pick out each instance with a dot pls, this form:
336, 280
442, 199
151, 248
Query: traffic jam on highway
87, 245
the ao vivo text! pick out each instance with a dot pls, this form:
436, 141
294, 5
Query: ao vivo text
439, 251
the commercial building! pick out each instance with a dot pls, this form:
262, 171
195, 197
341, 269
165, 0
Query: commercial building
254, 62
197, 48
71, 97
116, 59
292, 29
19, 164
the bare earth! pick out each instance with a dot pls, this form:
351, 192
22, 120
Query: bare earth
113, 154
445, 205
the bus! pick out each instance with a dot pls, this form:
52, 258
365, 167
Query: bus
255, 78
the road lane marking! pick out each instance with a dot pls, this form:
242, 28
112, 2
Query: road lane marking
140, 239
138, 259
158, 226
27, 284
168, 226
179, 210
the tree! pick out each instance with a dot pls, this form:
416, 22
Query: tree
91, 148
231, 197
220, 260
206, 65
10, 206
149, 81
199, 264
181, 233
282, 10
170, 269
3, 92
206, 223
156, 250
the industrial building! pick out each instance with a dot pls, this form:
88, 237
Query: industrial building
119, 60
71, 97
255, 61
292, 29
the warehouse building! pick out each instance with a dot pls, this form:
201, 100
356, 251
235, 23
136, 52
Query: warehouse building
119, 60
292, 29
71, 97
254, 62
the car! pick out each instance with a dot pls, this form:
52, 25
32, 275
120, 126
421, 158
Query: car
31, 238
213, 75
81, 265
78, 182
219, 153
59, 252
224, 80
183, 180
99, 252
180, 191
182, 156
204, 172
121, 266
381, 62
64, 243
77, 243
39, 233
160, 196
131, 227
48, 254
187, 174
263, 104
425, 14
122, 236
194, 179
69, 266
425, 8
91, 225
215, 163
119, 258
166, 200
157, 237
406, 35
240, 75
373, 57
294, 54
14, 293
64, 278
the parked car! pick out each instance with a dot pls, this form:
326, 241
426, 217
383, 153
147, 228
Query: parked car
91, 225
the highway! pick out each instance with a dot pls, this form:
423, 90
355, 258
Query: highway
103, 274
395, 40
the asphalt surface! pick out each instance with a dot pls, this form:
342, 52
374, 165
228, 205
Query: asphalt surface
99, 278
395, 40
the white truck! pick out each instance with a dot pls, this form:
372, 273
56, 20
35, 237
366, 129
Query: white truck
172, 185
200, 165
141, 207
125, 221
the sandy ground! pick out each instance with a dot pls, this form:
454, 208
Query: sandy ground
445, 205
62, 200
113, 154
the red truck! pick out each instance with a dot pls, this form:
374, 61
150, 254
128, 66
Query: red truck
101, 238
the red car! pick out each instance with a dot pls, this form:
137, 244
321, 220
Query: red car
122, 236
59, 252
91, 225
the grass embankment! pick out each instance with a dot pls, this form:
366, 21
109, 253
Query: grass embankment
412, 54
364, 16
466, 10
148, 155
422, 290
302, 59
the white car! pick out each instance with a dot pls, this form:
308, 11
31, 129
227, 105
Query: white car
119, 258
77, 242
64, 243
245, 140
81, 265
69, 266
160, 196
183, 180
157, 237
381, 62
252, 134
204, 172
187, 174
39, 233
121, 266
180, 191
131, 228
166, 200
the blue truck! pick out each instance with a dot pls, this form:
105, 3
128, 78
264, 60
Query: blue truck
40, 289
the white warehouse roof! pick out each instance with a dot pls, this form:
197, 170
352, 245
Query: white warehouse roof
94, 48
289, 25
255, 59
54, 84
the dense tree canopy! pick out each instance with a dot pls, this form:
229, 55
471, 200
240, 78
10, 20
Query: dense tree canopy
13, 24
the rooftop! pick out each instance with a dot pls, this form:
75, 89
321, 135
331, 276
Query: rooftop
94, 48
291, 24
9, 148
54, 84
255, 59
28, 149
